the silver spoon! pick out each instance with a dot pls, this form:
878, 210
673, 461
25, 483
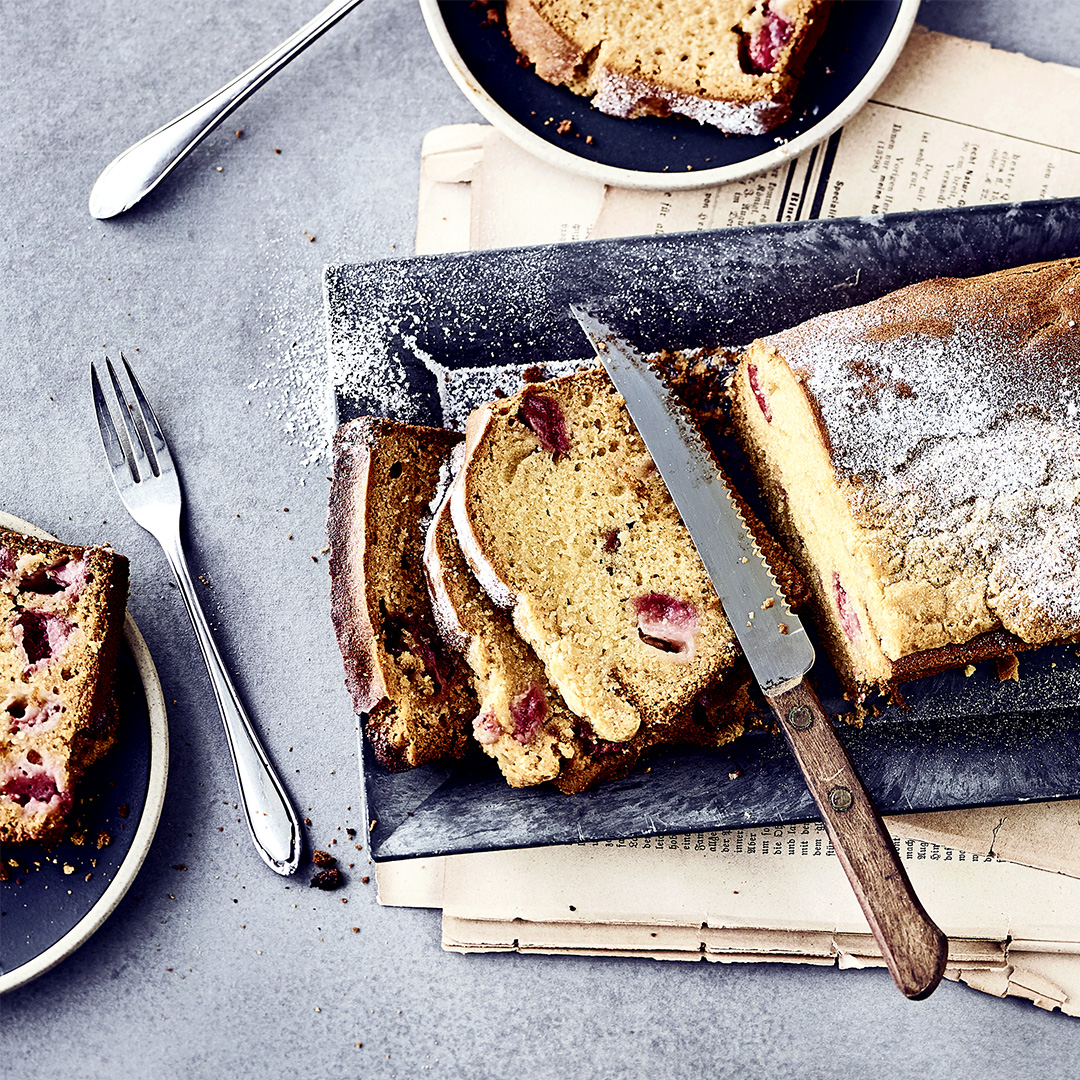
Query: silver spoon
140, 168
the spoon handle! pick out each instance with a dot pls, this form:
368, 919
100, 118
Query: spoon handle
141, 167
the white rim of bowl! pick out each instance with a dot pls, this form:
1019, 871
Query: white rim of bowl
148, 821
631, 178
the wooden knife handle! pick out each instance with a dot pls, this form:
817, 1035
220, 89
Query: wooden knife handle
914, 949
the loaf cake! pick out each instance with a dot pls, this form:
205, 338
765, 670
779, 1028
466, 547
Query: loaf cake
734, 64
523, 722
61, 622
414, 694
921, 454
565, 521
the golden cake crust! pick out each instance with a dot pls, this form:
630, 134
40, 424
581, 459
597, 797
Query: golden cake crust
938, 434
415, 696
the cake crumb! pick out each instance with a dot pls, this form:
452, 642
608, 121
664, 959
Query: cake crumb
327, 880
1008, 668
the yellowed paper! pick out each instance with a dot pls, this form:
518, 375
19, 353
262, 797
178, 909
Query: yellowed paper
1044, 835
776, 879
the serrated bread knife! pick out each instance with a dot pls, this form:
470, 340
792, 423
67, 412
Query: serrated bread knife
780, 654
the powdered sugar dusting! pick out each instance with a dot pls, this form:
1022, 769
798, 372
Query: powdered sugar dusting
621, 95
463, 389
955, 423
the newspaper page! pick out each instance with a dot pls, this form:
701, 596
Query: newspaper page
956, 123
768, 894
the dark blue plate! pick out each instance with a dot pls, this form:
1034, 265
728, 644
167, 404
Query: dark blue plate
54, 898
663, 151
397, 328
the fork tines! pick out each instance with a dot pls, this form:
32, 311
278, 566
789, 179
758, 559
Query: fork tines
142, 446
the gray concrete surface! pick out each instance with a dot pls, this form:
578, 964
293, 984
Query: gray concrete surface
212, 288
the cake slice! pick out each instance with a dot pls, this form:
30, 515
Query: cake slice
61, 622
523, 722
921, 454
413, 693
734, 64
565, 521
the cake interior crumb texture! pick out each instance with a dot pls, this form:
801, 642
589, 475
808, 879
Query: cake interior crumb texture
564, 519
413, 692
523, 721
61, 621
922, 455
734, 64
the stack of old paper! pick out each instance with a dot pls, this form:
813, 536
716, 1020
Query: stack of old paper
956, 122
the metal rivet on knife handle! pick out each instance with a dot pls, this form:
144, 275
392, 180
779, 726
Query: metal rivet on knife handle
801, 718
840, 798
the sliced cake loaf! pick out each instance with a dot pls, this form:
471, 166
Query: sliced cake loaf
564, 519
523, 721
414, 693
734, 64
61, 622
921, 453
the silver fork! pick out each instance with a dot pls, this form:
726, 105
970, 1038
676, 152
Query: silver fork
146, 478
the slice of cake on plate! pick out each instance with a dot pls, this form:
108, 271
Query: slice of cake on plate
734, 64
61, 622
921, 454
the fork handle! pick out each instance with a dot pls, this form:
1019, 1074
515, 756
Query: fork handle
143, 165
271, 818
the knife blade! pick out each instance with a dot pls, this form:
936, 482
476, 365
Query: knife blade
780, 654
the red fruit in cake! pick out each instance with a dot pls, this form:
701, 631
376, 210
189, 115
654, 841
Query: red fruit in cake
768, 40
71, 575
759, 394
37, 786
487, 729
42, 634
849, 619
529, 711
592, 744
666, 623
543, 416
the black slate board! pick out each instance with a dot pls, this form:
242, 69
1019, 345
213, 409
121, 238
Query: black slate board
397, 328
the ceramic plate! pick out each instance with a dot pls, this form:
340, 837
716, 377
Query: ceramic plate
418, 339
55, 898
861, 42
